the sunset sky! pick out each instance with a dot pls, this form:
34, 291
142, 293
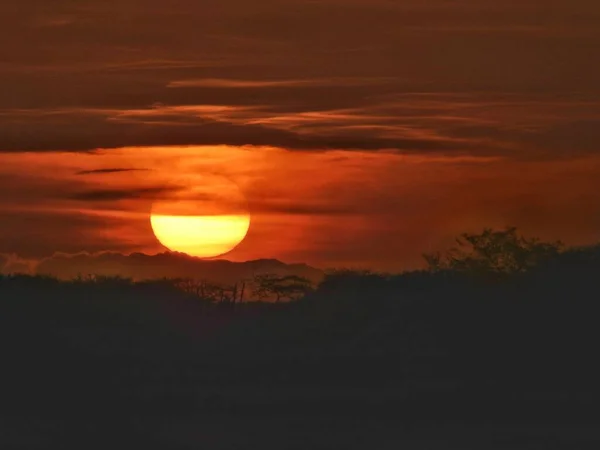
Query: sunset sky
360, 133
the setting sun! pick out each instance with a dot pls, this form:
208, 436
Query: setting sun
201, 236
203, 215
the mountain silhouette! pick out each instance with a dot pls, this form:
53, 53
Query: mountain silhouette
139, 266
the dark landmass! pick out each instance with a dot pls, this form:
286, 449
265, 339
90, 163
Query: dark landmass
436, 359
139, 266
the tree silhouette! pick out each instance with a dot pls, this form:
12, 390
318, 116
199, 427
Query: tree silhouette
493, 252
290, 287
213, 292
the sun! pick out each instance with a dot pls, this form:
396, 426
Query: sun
202, 236
204, 217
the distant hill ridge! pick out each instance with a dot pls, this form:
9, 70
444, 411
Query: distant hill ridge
169, 264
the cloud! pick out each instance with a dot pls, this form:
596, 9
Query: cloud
11, 263
53, 21
477, 123
306, 208
294, 83
108, 170
107, 195
279, 85
203, 125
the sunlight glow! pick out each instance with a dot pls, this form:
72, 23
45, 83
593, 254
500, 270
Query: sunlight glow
201, 236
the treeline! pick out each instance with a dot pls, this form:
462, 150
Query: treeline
492, 258
262, 287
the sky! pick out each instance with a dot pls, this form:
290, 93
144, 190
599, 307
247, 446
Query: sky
360, 133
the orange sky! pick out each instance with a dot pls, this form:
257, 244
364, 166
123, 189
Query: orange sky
334, 208
361, 132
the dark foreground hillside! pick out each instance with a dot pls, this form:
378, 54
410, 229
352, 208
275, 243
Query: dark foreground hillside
417, 361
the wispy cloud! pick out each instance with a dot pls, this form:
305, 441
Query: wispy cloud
52, 21
108, 170
469, 76
293, 83
107, 195
476, 123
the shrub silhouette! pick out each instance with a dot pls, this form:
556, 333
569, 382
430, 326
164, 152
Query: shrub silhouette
494, 253
288, 287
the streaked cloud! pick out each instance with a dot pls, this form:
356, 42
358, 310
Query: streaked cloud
107, 171
369, 75
107, 195
481, 124
229, 83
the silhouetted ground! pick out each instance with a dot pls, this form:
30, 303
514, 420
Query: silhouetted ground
417, 361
